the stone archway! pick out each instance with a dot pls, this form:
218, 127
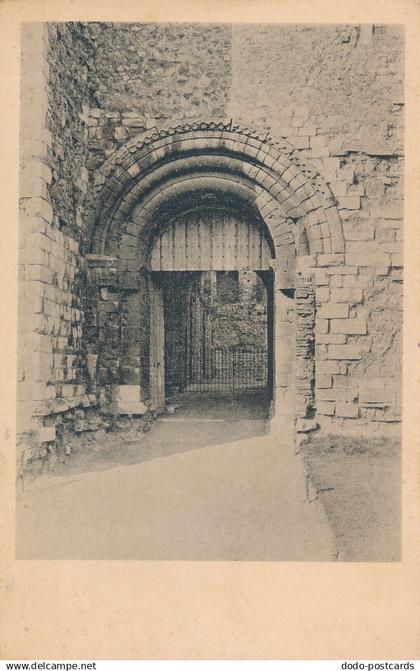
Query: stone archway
136, 191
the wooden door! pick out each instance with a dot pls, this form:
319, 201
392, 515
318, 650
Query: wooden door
157, 343
211, 240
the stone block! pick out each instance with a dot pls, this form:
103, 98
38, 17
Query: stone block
367, 259
336, 281
346, 295
331, 163
328, 246
330, 259
342, 270
128, 393
306, 425
120, 133
310, 130
285, 131
392, 247
38, 273
345, 381
397, 260
356, 190
36, 207
327, 367
397, 275
381, 271
363, 247
322, 294
127, 400
349, 326
68, 390
325, 407
300, 141
347, 174
134, 170
362, 231
349, 351
320, 152
331, 338
375, 391
321, 325
323, 381
386, 233
346, 409
389, 212
333, 311
46, 434
320, 352
365, 343
321, 277
362, 281
349, 202
336, 394
339, 188
317, 140
305, 263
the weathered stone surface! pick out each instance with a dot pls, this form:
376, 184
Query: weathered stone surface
47, 434
348, 326
330, 260
333, 311
346, 295
321, 327
376, 392
99, 85
327, 367
306, 425
336, 394
323, 294
344, 352
323, 381
367, 259
331, 338
325, 407
346, 409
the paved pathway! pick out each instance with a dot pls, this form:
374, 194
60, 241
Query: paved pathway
207, 489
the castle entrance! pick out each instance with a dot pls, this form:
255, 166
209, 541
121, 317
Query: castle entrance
214, 334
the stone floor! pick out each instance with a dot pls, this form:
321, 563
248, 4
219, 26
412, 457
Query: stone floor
208, 484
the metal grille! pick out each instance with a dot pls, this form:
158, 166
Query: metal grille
229, 369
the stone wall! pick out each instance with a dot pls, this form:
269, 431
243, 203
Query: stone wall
240, 318
53, 375
335, 92
148, 74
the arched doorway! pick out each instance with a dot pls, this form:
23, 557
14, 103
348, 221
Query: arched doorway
211, 281
150, 180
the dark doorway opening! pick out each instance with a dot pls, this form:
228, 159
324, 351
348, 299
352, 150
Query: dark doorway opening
218, 333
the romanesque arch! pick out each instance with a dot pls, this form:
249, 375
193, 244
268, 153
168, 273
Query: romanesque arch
137, 190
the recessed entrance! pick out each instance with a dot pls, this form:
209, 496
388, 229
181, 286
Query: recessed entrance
211, 307
216, 332
200, 198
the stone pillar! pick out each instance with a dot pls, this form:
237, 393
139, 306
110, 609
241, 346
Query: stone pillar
103, 321
305, 348
284, 354
36, 358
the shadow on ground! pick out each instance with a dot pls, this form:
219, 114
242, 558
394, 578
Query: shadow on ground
199, 421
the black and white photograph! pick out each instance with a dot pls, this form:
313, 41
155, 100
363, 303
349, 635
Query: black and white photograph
210, 292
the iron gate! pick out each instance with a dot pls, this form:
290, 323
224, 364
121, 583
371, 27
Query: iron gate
229, 369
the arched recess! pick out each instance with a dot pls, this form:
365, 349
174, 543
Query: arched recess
138, 190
